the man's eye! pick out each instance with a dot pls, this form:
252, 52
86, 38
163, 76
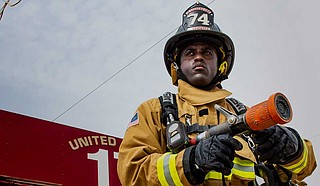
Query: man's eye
190, 53
208, 53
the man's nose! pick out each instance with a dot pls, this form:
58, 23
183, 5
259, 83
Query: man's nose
198, 56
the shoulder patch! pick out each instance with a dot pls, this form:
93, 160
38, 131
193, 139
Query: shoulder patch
134, 120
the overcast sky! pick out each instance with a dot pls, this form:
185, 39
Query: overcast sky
54, 53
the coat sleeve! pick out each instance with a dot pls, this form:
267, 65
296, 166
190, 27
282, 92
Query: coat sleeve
142, 154
302, 167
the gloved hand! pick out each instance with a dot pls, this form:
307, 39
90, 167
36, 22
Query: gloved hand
216, 153
277, 144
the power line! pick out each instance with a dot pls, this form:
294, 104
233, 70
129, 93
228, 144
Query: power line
6, 3
114, 74
143, 53
117, 72
314, 136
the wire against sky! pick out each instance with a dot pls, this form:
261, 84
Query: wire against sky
114, 75
118, 71
6, 3
143, 53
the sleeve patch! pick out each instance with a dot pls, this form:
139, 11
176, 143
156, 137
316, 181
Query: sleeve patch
134, 120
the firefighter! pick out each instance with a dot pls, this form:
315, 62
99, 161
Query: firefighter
198, 58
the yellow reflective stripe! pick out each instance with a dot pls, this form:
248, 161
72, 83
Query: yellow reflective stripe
243, 162
297, 167
167, 172
173, 170
243, 168
244, 174
217, 176
166, 168
160, 170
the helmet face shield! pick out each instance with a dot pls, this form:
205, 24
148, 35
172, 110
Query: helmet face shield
198, 26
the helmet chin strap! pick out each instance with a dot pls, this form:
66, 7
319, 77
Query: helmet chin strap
214, 82
176, 74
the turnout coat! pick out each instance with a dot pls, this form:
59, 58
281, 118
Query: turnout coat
144, 158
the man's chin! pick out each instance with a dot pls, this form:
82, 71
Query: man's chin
199, 82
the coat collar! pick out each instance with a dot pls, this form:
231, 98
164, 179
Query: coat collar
197, 96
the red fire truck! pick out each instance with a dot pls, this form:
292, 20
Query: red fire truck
39, 152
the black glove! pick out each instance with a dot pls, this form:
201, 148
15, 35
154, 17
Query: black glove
215, 153
278, 144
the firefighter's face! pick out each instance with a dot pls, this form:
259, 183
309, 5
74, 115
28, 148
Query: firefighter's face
199, 63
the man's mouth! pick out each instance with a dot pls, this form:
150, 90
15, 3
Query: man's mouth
199, 67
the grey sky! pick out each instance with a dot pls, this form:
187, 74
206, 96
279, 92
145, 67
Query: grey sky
53, 53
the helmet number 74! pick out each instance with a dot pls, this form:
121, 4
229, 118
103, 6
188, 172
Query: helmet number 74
202, 18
